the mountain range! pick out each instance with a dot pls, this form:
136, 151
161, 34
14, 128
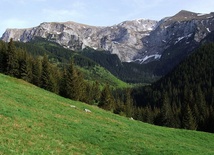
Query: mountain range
139, 40
137, 51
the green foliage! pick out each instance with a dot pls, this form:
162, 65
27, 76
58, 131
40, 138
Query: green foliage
3, 56
103, 76
190, 90
36, 71
74, 83
11, 60
128, 72
46, 78
106, 99
188, 119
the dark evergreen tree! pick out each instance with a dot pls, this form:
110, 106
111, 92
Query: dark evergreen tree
166, 112
25, 66
106, 99
46, 74
12, 66
188, 120
95, 91
72, 83
3, 57
128, 104
63, 84
148, 115
54, 79
36, 71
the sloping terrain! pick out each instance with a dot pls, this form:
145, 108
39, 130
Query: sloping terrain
35, 121
92, 71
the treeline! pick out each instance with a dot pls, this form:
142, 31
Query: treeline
65, 80
38, 70
185, 97
128, 72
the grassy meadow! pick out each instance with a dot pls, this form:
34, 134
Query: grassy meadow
35, 121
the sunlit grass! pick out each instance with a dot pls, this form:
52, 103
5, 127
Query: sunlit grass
34, 121
103, 76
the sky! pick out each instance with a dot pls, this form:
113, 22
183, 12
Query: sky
30, 13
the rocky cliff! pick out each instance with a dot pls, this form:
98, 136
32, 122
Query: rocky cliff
140, 40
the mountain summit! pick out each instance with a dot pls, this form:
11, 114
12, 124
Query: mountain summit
140, 40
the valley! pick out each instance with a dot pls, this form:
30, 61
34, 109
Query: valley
138, 87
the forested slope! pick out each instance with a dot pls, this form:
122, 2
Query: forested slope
185, 97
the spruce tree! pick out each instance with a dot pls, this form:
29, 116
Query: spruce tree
188, 120
46, 74
106, 99
12, 65
63, 84
3, 57
128, 104
166, 112
25, 66
96, 91
36, 72
73, 86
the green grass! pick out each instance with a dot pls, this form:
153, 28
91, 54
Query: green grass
34, 121
103, 76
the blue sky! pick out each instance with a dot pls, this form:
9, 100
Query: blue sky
30, 13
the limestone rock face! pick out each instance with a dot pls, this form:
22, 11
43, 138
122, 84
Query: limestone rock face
140, 40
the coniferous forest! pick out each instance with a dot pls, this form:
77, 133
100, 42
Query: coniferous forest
182, 99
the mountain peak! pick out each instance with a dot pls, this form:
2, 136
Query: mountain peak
185, 15
130, 40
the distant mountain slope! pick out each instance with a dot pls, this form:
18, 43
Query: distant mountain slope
34, 121
88, 58
190, 84
60, 56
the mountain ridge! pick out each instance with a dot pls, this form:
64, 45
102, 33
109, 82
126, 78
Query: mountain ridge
140, 41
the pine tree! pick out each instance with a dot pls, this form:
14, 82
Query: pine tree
46, 74
128, 104
80, 87
166, 112
148, 114
188, 120
74, 83
96, 92
36, 72
54, 79
106, 99
63, 84
12, 65
25, 66
3, 57
201, 104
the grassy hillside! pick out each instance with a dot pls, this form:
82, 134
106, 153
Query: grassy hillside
102, 75
34, 121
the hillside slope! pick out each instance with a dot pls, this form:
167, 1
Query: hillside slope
34, 121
